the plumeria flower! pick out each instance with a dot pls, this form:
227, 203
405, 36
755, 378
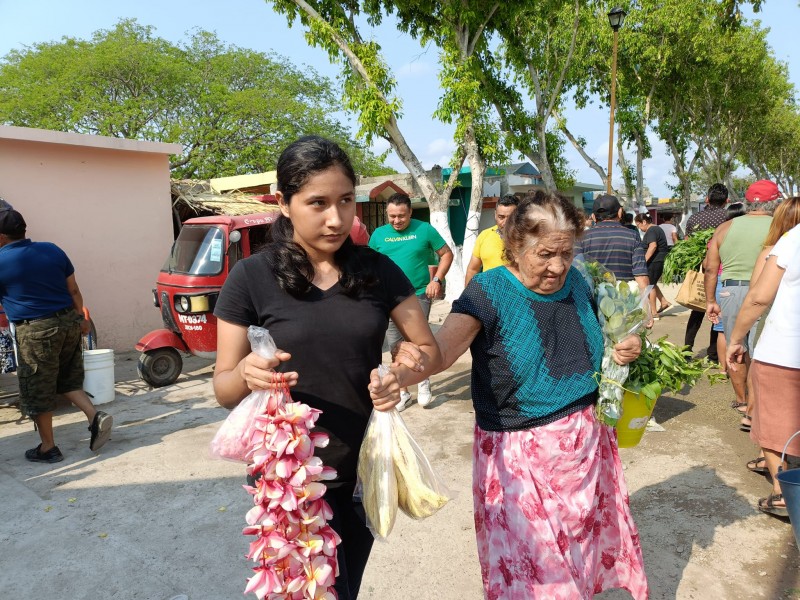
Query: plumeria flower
294, 545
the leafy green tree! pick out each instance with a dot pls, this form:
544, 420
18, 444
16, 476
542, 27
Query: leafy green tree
233, 110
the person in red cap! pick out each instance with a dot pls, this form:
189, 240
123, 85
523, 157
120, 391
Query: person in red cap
736, 245
39, 293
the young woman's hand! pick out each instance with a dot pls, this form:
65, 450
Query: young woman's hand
385, 393
259, 373
408, 354
628, 350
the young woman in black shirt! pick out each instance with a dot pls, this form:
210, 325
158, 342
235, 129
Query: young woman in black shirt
327, 304
655, 251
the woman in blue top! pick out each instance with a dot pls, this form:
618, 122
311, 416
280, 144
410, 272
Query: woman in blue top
551, 509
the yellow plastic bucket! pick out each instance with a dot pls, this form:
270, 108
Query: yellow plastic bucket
632, 423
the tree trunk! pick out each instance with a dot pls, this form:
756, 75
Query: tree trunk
461, 260
545, 170
639, 170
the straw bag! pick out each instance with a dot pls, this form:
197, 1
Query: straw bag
693, 292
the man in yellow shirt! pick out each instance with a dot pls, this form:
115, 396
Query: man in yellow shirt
488, 251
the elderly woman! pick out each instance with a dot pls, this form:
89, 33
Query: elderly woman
551, 508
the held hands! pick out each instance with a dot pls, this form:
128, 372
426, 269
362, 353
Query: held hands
627, 350
385, 393
259, 373
407, 354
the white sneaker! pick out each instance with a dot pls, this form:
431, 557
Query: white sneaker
405, 401
424, 393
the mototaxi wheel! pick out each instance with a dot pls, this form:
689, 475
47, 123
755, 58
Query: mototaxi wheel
160, 367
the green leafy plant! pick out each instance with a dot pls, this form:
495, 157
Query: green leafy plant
664, 367
686, 255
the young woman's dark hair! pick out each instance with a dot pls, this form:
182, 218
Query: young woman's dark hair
737, 209
643, 218
298, 163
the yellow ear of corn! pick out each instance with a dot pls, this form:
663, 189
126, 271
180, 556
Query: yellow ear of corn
417, 485
379, 485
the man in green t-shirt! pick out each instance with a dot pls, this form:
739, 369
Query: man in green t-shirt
412, 244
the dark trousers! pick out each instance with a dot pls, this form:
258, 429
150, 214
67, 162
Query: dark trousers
693, 326
349, 522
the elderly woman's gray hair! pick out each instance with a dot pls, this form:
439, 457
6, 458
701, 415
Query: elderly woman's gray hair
538, 214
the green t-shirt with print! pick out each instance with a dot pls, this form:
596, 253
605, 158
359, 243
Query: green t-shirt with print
412, 249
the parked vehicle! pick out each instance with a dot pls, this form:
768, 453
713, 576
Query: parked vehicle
188, 285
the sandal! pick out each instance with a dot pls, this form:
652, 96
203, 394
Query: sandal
737, 405
663, 308
758, 465
745, 423
767, 505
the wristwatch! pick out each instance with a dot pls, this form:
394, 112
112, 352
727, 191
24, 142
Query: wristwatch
436, 279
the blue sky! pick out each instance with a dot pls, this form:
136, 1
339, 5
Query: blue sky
253, 24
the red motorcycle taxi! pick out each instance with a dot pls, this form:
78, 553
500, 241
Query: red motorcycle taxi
187, 288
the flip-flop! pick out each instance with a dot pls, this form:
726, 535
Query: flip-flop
767, 505
757, 465
663, 308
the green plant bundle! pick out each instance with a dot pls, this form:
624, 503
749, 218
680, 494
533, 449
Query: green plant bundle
665, 367
686, 255
621, 310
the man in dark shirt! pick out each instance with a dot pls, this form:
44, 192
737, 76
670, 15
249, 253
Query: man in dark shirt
713, 216
615, 247
39, 293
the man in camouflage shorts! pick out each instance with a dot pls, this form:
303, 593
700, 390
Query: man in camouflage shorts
42, 300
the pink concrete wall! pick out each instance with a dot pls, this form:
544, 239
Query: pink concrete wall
109, 209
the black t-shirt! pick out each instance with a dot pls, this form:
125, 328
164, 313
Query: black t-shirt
335, 341
657, 235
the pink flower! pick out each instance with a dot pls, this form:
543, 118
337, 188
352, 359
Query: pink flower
263, 582
294, 545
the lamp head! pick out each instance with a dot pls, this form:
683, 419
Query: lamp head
616, 18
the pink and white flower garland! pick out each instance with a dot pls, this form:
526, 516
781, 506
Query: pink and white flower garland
295, 548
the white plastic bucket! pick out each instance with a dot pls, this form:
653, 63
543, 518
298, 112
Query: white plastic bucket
98, 377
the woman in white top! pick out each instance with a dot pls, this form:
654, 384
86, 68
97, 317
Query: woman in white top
775, 371
670, 230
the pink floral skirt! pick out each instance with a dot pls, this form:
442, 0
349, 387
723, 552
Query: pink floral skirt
551, 513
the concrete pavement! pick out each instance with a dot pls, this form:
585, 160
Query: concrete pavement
152, 517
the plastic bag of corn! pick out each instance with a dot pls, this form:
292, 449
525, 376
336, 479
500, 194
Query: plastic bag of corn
394, 471
420, 491
376, 484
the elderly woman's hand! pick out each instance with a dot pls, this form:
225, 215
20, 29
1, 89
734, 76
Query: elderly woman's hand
627, 350
408, 354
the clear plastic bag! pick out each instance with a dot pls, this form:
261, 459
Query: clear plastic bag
622, 311
234, 439
376, 484
394, 472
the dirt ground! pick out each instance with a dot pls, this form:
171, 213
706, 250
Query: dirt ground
152, 517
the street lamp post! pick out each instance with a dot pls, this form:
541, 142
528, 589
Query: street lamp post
615, 18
